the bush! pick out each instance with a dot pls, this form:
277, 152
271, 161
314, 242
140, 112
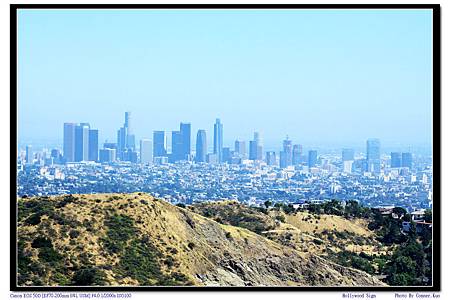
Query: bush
88, 276
191, 245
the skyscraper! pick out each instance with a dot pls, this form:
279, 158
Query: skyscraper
373, 156
259, 148
125, 137
396, 160
185, 130
28, 154
296, 154
271, 159
69, 142
146, 151
253, 150
177, 146
130, 139
287, 149
93, 145
226, 154
218, 140
283, 159
200, 147
239, 149
407, 160
312, 158
159, 144
81, 142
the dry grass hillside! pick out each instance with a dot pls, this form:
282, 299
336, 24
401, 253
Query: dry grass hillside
134, 239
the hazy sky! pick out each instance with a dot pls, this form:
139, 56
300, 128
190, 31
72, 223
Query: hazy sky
332, 76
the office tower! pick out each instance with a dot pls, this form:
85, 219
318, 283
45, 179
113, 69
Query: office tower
259, 152
29, 154
253, 150
69, 142
177, 146
107, 155
130, 139
283, 159
296, 155
218, 140
121, 141
93, 145
312, 158
396, 159
258, 146
271, 159
125, 137
239, 149
287, 149
348, 154
159, 144
226, 154
200, 146
81, 143
373, 156
185, 130
146, 151
407, 160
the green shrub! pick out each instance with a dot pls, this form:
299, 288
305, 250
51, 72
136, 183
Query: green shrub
88, 276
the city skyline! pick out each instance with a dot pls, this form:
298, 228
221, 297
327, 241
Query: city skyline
313, 75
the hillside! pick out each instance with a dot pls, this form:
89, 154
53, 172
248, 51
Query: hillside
134, 239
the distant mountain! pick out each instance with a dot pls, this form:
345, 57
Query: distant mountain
135, 240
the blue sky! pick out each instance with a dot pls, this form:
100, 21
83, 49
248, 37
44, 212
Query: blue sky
320, 76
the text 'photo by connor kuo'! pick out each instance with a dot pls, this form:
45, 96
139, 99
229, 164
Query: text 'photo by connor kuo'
225, 147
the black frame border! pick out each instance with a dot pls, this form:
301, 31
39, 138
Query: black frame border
436, 64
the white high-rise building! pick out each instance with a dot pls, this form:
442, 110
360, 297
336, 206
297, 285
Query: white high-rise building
146, 151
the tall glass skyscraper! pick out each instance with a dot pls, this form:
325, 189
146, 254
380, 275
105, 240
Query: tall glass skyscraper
200, 147
177, 146
296, 154
93, 144
253, 150
69, 142
373, 156
396, 160
407, 160
159, 144
146, 153
239, 149
218, 140
125, 137
312, 158
185, 130
82, 142
287, 157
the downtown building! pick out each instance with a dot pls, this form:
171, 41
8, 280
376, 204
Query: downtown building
80, 143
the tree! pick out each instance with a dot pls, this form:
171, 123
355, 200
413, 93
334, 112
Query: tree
267, 203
